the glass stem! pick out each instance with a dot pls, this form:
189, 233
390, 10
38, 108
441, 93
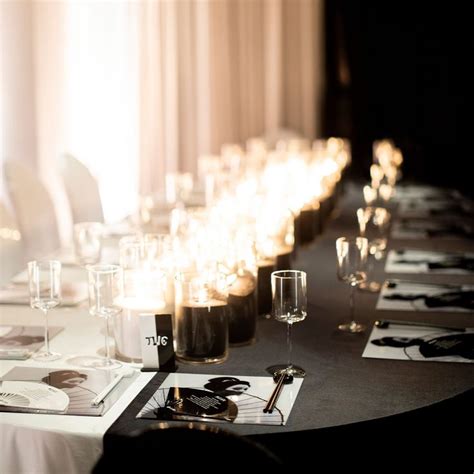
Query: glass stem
46, 331
107, 350
289, 344
351, 303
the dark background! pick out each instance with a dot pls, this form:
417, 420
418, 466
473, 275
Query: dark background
403, 70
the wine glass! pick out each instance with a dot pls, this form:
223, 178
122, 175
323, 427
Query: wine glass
105, 294
44, 281
373, 224
288, 306
351, 262
88, 242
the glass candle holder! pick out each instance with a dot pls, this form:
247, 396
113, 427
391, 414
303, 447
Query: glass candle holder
284, 239
243, 312
266, 264
88, 242
240, 267
201, 318
146, 290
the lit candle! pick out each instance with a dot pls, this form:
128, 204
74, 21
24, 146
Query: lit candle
146, 290
201, 316
127, 326
202, 331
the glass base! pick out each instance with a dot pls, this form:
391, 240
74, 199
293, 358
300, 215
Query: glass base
352, 327
204, 360
46, 356
110, 364
372, 286
93, 362
294, 370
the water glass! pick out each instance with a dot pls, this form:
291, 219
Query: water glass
44, 281
289, 305
105, 299
88, 242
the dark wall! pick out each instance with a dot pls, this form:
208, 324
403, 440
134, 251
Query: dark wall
403, 70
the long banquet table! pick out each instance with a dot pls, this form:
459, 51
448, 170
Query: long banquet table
341, 388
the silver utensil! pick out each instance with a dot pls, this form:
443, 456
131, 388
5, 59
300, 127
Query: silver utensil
385, 323
108, 389
393, 282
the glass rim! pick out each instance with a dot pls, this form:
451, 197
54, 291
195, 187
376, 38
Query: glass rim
131, 240
295, 274
363, 208
188, 276
103, 268
44, 262
351, 239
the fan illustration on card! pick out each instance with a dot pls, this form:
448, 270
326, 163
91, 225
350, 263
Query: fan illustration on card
76, 388
32, 397
218, 399
192, 403
407, 341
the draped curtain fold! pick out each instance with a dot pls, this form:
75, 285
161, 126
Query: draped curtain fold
244, 68
138, 89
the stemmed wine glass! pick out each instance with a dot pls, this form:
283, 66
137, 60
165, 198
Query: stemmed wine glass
44, 281
105, 294
88, 242
373, 224
351, 262
289, 306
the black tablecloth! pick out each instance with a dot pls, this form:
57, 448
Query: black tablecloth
341, 387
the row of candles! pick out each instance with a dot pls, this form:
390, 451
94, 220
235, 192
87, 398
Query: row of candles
375, 218
384, 173
212, 269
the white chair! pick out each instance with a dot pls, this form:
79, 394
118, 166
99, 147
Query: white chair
82, 190
12, 260
34, 210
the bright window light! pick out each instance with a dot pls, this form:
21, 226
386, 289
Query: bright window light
102, 100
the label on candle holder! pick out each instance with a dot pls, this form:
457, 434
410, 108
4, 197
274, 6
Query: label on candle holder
156, 339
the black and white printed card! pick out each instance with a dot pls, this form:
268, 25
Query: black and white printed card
156, 337
403, 295
443, 209
410, 342
220, 398
424, 192
414, 229
422, 261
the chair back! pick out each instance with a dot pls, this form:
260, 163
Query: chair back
12, 260
82, 190
192, 445
34, 210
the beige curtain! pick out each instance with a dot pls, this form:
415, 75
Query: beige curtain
220, 71
32, 42
136, 89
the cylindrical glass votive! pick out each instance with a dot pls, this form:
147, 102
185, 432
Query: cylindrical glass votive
243, 308
265, 269
147, 289
201, 318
